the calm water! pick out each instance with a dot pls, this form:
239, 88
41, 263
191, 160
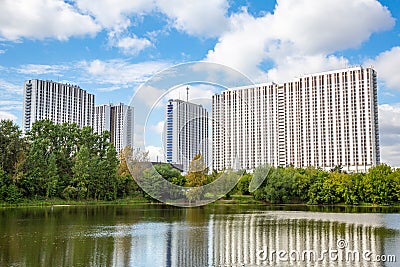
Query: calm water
157, 235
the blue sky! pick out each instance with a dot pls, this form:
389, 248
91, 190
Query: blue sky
110, 47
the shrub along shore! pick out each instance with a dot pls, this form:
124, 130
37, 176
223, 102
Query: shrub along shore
66, 165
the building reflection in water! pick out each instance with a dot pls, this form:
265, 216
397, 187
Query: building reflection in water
232, 240
239, 238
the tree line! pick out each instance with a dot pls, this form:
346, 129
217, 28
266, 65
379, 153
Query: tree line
63, 161
58, 161
380, 185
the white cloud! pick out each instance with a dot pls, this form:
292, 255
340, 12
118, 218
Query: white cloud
132, 45
116, 17
389, 128
119, 18
200, 94
2, 51
206, 18
244, 46
39, 69
108, 89
316, 26
120, 72
158, 128
7, 105
148, 95
289, 67
40, 19
199, 18
7, 116
298, 34
387, 65
10, 88
155, 153
114, 14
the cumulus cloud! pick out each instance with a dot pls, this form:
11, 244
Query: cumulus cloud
120, 72
39, 69
316, 26
291, 66
10, 88
244, 46
206, 18
389, 127
131, 45
158, 128
149, 96
114, 14
7, 105
299, 36
40, 19
7, 116
387, 65
198, 18
155, 153
57, 19
200, 94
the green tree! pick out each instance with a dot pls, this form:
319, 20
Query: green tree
9, 192
82, 173
51, 177
170, 174
106, 183
244, 183
12, 145
353, 188
196, 177
315, 186
304, 179
126, 185
333, 188
261, 174
280, 185
153, 186
378, 189
394, 179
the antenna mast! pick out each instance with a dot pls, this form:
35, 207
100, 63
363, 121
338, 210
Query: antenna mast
187, 94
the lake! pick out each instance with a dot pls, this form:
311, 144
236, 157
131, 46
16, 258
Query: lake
215, 235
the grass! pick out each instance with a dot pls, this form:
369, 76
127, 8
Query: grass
232, 200
61, 202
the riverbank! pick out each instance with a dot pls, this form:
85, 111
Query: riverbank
234, 200
63, 202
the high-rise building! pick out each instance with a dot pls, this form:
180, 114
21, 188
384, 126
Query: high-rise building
57, 102
118, 120
185, 132
324, 120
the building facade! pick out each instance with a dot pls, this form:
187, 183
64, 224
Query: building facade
324, 120
58, 102
119, 121
185, 132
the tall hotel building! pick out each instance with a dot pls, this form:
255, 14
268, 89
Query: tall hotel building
57, 102
324, 120
185, 133
118, 120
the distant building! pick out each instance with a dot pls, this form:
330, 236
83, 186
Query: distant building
119, 121
185, 132
324, 120
58, 102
